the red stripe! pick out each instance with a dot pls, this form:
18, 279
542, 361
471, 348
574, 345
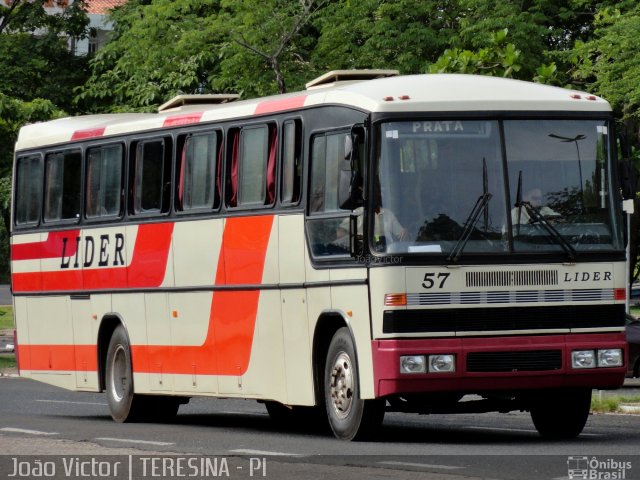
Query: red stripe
182, 119
50, 248
270, 106
88, 133
147, 268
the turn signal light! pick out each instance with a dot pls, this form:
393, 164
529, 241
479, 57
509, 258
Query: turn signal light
395, 300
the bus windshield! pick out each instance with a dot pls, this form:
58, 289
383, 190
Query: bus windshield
440, 188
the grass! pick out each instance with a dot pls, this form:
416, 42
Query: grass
611, 403
7, 361
635, 310
6, 318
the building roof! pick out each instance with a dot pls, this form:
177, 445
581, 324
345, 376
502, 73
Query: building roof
102, 7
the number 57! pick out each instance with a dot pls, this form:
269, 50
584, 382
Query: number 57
430, 279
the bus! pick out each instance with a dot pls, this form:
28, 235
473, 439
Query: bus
377, 242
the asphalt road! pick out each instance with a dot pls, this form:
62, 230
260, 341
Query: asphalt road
39, 419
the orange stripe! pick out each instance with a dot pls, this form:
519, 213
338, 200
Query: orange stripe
226, 349
58, 357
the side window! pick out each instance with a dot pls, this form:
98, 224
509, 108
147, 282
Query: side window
252, 169
104, 181
291, 162
252, 176
197, 173
152, 177
62, 186
28, 199
328, 233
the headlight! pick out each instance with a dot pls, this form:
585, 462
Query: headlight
611, 357
442, 363
583, 359
413, 364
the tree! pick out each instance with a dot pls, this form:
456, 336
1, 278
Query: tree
270, 31
406, 34
158, 49
31, 16
35, 58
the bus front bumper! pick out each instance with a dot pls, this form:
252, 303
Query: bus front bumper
496, 363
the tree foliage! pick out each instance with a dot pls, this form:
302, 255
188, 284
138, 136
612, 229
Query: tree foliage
34, 48
609, 63
157, 51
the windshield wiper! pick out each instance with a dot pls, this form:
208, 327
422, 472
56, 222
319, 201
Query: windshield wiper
555, 235
469, 225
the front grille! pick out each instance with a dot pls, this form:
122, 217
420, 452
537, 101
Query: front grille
529, 361
512, 278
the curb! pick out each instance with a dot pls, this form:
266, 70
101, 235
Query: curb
628, 408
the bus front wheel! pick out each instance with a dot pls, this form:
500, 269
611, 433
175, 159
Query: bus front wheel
561, 414
350, 417
124, 404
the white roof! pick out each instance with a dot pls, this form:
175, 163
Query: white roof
413, 93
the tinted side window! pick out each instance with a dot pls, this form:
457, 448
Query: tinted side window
198, 172
62, 185
28, 199
251, 177
291, 161
152, 177
253, 166
328, 233
104, 181
327, 158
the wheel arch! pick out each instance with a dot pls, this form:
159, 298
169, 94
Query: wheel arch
108, 324
328, 323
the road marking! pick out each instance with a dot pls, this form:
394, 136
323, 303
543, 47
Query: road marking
266, 453
420, 465
24, 430
74, 403
131, 440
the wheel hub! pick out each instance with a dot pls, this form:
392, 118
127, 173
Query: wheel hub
119, 374
341, 387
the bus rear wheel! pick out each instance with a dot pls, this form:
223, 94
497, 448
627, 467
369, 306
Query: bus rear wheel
350, 417
561, 414
124, 404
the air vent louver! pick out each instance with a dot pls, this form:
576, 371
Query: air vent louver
515, 278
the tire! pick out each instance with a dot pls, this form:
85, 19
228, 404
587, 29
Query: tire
350, 417
124, 404
561, 414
